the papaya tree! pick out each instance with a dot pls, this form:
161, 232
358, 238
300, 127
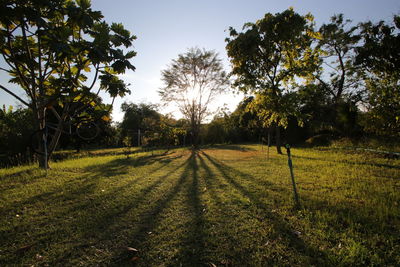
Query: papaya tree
56, 51
267, 57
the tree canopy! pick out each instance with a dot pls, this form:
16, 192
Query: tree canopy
379, 58
50, 46
192, 81
267, 57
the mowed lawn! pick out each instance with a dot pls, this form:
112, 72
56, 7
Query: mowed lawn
218, 206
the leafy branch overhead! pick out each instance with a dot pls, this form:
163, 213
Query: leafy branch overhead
51, 46
56, 51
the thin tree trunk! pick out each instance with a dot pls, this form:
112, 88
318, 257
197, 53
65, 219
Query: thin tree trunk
269, 141
195, 136
57, 134
39, 119
278, 139
42, 157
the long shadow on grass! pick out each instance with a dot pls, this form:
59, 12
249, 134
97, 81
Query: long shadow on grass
20, 179
113, 213
121, 166
82, 212
103, 218
150, 218
230, 147
79, 186
277, 221
192, 252
349, 162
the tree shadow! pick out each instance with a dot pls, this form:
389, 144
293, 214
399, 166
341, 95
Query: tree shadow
114, 168
349, 162
21, 178
96, 218
105, 225
86, 214
149, 219
229, 147
121, 166
193, 246
191, 249
284, 230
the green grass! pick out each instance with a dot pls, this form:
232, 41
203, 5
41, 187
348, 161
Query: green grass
222, 205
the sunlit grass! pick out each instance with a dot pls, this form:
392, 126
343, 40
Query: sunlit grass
222, 205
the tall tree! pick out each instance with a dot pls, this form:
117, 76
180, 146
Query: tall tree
336, 75
266, 59
49, 46
337, 42
379, 57
192, 81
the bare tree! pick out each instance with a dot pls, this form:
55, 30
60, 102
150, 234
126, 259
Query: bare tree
192, 81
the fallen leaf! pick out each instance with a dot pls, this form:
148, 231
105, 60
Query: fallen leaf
212, 264
132, 249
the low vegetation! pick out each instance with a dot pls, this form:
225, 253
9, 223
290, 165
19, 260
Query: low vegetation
218, 206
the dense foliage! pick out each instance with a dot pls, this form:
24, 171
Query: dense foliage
50, 46
143, 125
15, 131
266, 58
340, 80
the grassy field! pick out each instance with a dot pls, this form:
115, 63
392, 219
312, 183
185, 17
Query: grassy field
218, 206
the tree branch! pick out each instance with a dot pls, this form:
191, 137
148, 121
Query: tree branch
95, 79
14, 95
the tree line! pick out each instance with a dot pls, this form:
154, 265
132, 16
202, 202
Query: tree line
341, 79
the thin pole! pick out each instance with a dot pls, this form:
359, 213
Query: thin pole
296, 196
269, 142
138, 139
45, 148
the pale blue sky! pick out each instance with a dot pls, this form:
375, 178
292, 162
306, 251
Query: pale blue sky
166, 28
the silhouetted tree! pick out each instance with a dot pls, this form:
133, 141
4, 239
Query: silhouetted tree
192, 82
337, 41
